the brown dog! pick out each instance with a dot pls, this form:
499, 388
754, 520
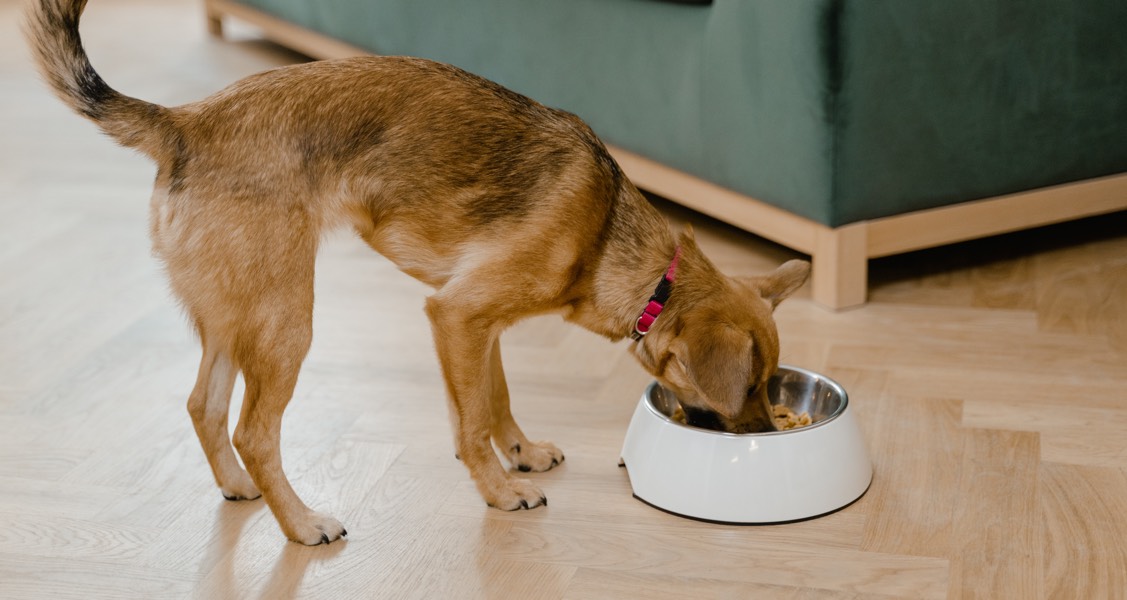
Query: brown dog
505, 207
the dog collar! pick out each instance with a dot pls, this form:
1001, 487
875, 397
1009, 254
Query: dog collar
658, 300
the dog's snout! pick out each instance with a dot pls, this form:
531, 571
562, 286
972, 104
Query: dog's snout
705, 419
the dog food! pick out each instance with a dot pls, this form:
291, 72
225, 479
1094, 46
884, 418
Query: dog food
786, 419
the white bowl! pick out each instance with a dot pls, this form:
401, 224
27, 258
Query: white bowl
768, 477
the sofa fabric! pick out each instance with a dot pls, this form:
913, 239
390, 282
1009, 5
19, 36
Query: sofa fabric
835, 110
943, 102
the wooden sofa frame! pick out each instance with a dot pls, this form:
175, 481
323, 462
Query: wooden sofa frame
839, 255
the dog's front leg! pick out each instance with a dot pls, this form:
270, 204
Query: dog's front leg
464, 343
523, 454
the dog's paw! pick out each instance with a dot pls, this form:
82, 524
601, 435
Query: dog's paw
516, 494
316, 529
535, 456
241, 489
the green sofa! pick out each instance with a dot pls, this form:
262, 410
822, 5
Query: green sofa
846, 129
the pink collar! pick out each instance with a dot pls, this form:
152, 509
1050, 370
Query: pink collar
657, 300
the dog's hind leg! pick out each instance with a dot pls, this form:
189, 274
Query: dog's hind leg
522, 454
270, 351
464, 345
208, 405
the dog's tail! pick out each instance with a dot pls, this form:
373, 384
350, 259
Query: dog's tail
52, 30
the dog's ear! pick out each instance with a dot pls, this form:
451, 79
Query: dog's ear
687, 234
782, 282
687, 240
716, 359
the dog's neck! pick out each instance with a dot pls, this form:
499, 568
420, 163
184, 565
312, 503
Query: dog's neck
636, 252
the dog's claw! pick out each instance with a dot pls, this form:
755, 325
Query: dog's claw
343, 533
555, 462
524, 468
524, 503
324, 538
544, 500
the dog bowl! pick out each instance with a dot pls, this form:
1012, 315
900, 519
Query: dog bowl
767, 477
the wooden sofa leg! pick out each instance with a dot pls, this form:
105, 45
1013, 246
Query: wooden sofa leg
214, 20
841, 266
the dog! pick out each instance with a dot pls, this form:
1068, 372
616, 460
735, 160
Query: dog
506, 208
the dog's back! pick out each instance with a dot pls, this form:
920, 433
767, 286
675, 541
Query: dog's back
411, 153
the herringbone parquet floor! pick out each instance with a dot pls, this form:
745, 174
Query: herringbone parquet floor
990, 380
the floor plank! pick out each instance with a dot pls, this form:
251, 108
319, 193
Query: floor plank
996, 550
1084, 553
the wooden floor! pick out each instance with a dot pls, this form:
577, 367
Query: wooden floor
990, 380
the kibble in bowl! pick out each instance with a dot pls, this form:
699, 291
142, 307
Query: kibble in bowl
785, 419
